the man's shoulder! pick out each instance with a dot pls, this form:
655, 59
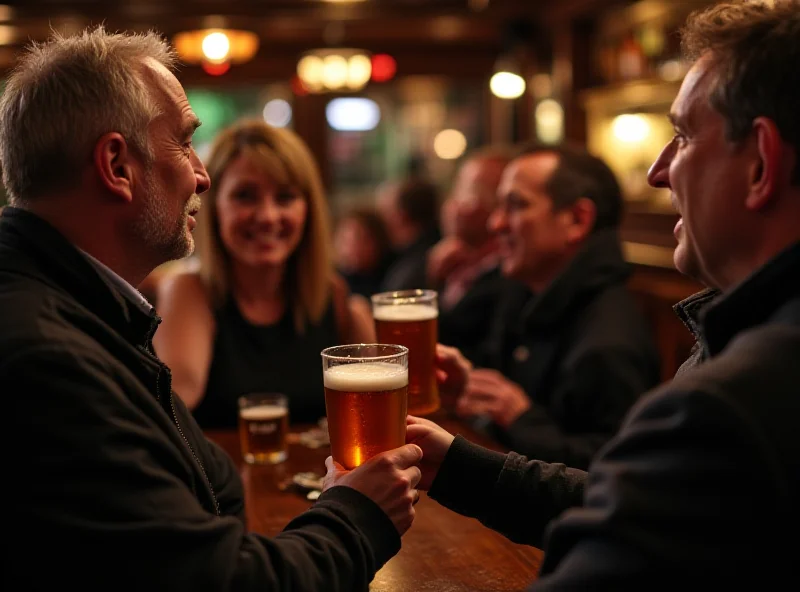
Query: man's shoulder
757, 366
764, 357
752, 383
34, 315
610, 321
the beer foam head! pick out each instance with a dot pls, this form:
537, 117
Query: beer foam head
366, 377
405, 312
263, 412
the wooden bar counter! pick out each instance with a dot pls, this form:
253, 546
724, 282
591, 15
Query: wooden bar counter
443, 551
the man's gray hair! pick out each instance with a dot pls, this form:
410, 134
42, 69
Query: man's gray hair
63, 95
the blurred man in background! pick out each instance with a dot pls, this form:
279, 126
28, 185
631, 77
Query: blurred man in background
569, 351
410, 211
464, 266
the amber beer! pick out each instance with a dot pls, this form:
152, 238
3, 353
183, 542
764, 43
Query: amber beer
366, 406
263, 427
411, 319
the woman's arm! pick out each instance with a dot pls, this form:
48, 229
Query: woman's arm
185, 338
353, 314
363, 327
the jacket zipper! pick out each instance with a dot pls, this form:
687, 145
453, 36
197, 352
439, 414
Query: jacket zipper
185, 439
163, 368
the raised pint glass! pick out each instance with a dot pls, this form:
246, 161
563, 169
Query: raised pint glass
411, 318
263, 427
366, 389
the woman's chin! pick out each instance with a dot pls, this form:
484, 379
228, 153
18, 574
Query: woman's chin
274, 259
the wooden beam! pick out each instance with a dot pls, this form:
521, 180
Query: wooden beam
564, 10
280, 63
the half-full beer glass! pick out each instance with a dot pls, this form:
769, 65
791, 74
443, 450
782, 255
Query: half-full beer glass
263, 427
411, 318
366, 388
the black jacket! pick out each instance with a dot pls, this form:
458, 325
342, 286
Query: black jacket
115, 486
702, 482
467, 325
408, 270
581, 350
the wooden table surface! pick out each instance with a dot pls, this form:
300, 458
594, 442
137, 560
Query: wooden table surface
442, 552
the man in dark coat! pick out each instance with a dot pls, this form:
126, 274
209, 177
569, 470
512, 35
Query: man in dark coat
700, 489
569, 350
114, 485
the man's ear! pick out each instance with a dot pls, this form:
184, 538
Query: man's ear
114, 166
581, 217
767, 171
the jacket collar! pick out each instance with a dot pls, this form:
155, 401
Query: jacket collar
597, 265
714, 318
46, 255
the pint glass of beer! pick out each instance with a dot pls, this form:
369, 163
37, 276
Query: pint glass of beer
366, 387
263, 427
411, 318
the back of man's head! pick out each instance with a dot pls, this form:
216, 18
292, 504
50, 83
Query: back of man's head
580, 174
756, 51
491, 159
473, 196
66, 93
418, 200
500, 153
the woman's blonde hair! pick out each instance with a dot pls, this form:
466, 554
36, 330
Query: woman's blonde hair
285, 158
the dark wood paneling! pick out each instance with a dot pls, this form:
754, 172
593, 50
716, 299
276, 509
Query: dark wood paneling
649, 227
657, 290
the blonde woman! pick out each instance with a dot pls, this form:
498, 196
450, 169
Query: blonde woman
265, 300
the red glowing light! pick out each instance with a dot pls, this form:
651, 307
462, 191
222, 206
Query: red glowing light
298, 88
216, 69
384, 67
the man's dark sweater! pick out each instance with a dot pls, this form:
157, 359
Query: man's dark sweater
701, 486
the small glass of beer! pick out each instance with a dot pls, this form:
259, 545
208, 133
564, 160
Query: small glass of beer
263, 427
366, 388
411, 318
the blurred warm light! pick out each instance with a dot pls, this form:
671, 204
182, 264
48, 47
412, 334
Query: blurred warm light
6, 12
359, 70
353, 114
6, 35
334, 69
384, 67
216, 46
549, 121
671, 70
298, 86
506, 85
449, 144
277, 113
652, 40
310, 69
334, 72
630, 128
